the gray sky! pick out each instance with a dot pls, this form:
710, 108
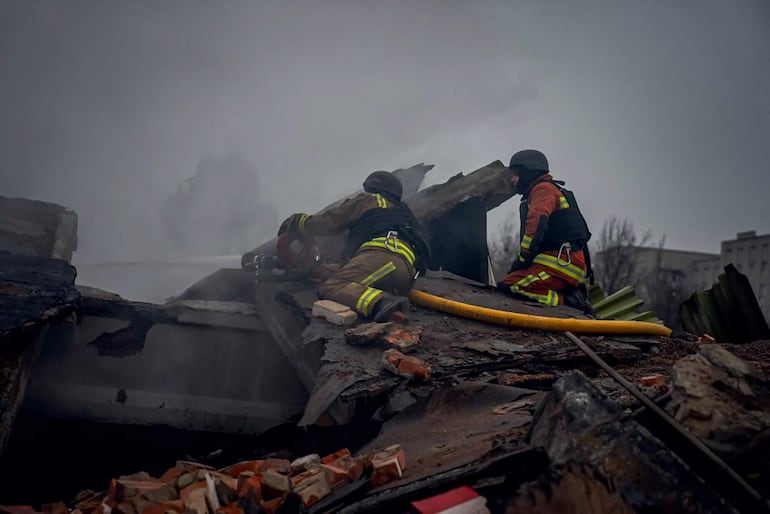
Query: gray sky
658, 111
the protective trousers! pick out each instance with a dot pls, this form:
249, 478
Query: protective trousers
548, 278
360, 283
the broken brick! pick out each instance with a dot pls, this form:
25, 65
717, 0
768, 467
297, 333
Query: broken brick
334, 312
230, 509
271, 506
274, 484
235, 470
225, 493
342, 469
388, 465
17, 509
126, 489
172, 475
403, 338
196, 501
405, 365
279, 465
306, 463
140, 476
164, 507
652, 380
184, 492
311, 486
336, 455
54, 508
192, 466
250, 483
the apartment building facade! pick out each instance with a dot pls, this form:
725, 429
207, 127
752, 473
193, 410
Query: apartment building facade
751, 255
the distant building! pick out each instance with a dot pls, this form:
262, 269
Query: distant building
665, 278
750, 253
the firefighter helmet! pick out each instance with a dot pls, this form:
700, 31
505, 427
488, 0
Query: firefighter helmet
383, 182
532, 160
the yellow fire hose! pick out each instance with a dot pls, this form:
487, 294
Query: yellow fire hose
516, 319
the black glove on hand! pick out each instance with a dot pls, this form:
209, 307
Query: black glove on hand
517, 265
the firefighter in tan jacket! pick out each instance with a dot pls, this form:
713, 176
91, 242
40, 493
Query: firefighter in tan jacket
385, 250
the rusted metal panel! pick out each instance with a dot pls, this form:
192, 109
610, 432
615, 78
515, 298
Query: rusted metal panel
729, 311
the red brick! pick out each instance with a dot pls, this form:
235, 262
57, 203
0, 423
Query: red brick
196, 501
311, 486
335, 476
55, 508
279, 465
336, 455
230, 509
652, 380
275, 485
405, 365
192, 466
164, 507
236, 469
250, 482
17, 509
388, 465
271, 506
200, 484
126, 489
306, 463
172, 475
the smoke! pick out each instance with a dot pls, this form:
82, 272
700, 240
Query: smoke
655, 112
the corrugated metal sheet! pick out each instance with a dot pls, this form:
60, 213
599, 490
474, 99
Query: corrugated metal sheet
622, 304
728, 311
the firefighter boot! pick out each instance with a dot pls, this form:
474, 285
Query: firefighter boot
578, 299
387, 306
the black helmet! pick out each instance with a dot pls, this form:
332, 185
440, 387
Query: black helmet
532, 160
383, 182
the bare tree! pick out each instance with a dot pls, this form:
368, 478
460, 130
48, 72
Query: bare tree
505, 246
664, 289
617, 258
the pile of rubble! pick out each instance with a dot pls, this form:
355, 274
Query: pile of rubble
245, 487
490, 419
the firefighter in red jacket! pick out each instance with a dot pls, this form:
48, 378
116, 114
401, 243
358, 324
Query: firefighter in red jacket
553, 259
385, 250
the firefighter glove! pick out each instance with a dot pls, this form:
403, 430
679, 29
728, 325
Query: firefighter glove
520, 262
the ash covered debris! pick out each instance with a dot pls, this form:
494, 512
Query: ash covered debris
464, 407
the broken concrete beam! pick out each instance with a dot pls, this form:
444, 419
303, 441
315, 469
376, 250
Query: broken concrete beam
35, 293
576, 423
334, 312
724, 401
34, 228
